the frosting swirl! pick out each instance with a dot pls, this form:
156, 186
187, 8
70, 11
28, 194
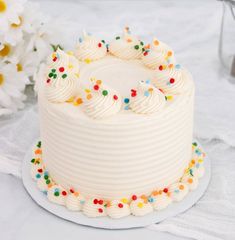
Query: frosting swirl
157, 54
57, 194
118, 209
161, 201
74, 202
146, 99
90, 48
102, 101
126, 47
178, 191
140, 207
62, 76
173, 80
94, 208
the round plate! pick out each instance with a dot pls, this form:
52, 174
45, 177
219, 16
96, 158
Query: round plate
106, 222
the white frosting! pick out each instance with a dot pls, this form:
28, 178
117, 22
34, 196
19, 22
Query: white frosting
74, 202
182, 80
161, 201
90, 48
191, 181
41, 183
125, 47
118, 209
140, 207
101, 106
178, 191
148, 99
158, 54
36, 171
56, 199
94, 210
61, 77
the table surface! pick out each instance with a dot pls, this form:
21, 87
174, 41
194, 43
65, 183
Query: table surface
181, 25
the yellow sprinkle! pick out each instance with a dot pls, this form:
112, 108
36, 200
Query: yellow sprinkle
89, 96
70, 53
70, 100
124, 200
3, 6
164, 67
87, 90
87, 60
140, 204
169, 98
77, 75
70, 66
150, 89
200, 160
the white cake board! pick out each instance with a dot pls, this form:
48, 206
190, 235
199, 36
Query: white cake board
106, 222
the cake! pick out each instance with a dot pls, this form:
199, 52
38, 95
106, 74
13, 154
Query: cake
116, 124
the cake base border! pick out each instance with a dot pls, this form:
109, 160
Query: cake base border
106, 222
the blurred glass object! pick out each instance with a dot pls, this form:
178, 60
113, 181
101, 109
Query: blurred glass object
227, 38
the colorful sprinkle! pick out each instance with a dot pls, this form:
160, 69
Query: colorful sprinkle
61, 69
56, 194
105, 92
89, 96
146, 93
120, 205
96, 87
160, 68
99, 82
172, 80
124, 200
136, 47
165, 190
117, 38
177, 66
95, 201
115, 97
99, 45
64, 75
100, 210
126, 100
100, 201
134, 197
64, 193
140, 205
145, 53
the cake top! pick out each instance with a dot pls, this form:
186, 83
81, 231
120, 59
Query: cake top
124, 75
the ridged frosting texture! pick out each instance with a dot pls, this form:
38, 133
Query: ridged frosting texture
101, 101
136, 205
147, 99
173, 80
90, 48
158, 54
126, 46
61, 77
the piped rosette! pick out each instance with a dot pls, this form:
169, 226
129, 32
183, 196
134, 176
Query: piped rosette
101, 101
118, 208
127, 46
157, 54
173, 80
146, 99
90, 48
62, 76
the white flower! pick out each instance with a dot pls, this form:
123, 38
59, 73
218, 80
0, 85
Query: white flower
25, 60
27, 24
10, 10
12, 85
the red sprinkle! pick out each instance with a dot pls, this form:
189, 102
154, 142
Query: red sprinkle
100, 210
71, 190
120, 205
101, 201
96, 87
133, 90
40, 170
54, 59
99, 45
48, 80
64, 193
145, 53
61, 69
133, 94
95, 201
160, 67
165, 190
115, 97
134, 197
172, 80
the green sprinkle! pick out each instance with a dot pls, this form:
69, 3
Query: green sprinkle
50, 74
56, 194
48, 181
102, 41
143, 49
33, 160
117, 38
64, 75
105, 92
166, 98
39, 144
55, 76
53, 70
137, 47
141, 43
46, 177
195, 144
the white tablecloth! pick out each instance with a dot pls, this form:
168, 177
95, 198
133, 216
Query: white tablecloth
191, 28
